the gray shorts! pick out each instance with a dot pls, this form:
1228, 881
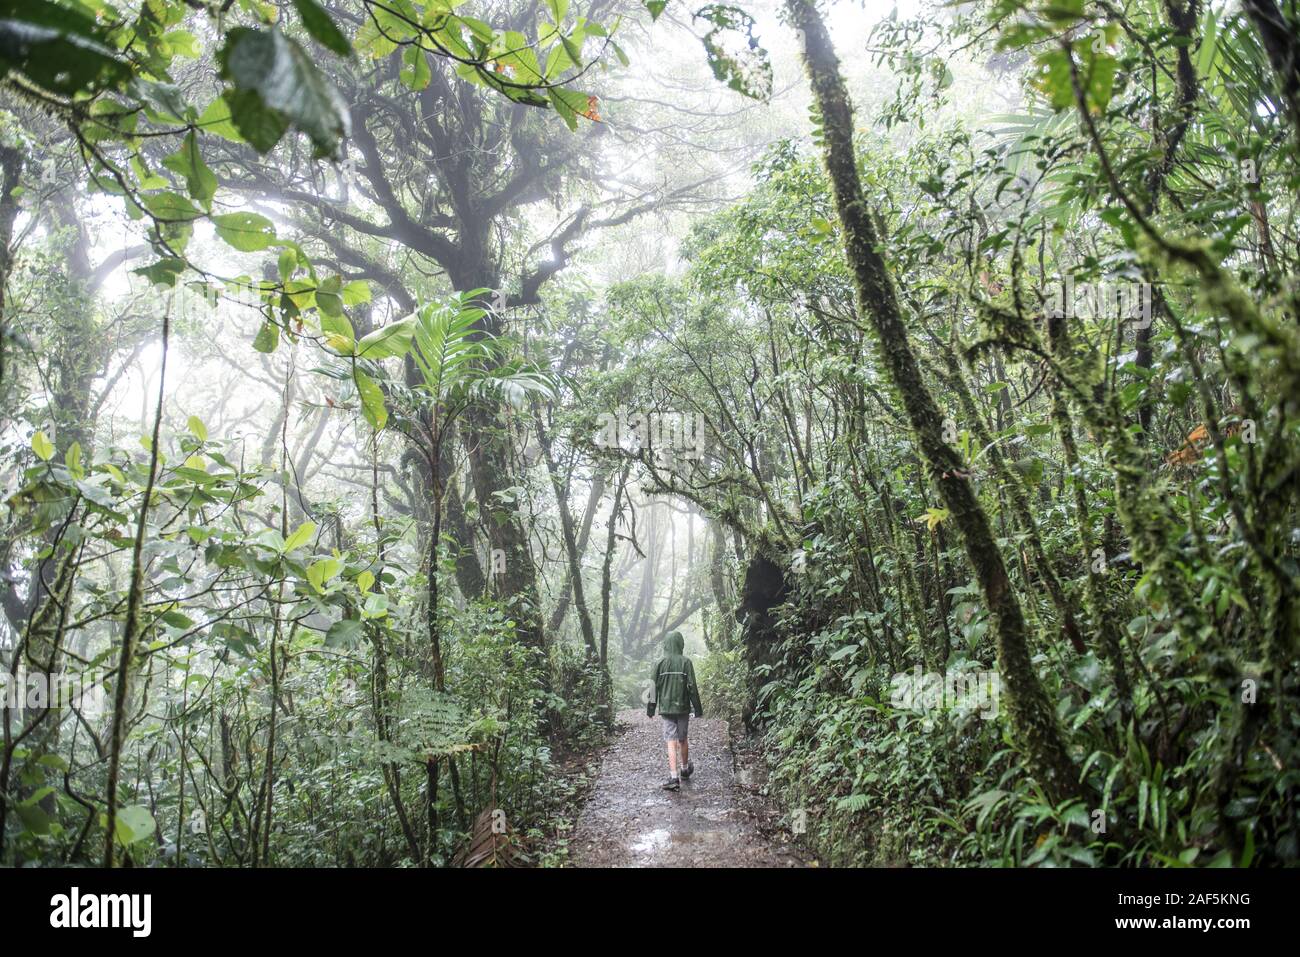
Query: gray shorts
675, 726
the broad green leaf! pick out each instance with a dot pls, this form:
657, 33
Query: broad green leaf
34, 819
134, 824
415, 73
322, 571
287, 263
376, 605
42, 446
299, 537
393, 339
372, 401
164, 272
344, 633
72, 459
322, 27
356, 292
247, 232
200, 181
329, 299
58, 48
216, 119
267, 68
256, 123
267, 338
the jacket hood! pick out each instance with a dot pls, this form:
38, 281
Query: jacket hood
674, 643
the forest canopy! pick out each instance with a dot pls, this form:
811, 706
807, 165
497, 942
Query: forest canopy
382, 380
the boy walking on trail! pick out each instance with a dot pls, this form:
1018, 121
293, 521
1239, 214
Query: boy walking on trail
674, 691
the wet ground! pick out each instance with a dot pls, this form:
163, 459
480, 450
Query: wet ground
629, 821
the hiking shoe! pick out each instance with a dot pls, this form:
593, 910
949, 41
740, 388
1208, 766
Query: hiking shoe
672, 784
689, 769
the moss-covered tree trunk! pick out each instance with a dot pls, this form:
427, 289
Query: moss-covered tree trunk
1033, 721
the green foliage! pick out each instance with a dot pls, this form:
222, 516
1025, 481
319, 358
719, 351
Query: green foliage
744, 68
327, 671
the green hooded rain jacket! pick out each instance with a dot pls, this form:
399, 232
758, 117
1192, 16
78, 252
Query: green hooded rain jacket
674, 690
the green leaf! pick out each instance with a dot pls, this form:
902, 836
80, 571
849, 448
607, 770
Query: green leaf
329, 299
199, 430
164, 102
172, 207
287, 263
1063, 11
34, 819
255, 122
199, 178
322, 27
322, 571
164, 272
372, 401
267, 338
58, 48
268, 69
216, 119
376, 606
415, 73
42, 446
182, 43
393, 339
300, 536
1205, 56
344, 633
356, 292
567, 103
247, 232
386, 25
134, 824
174, 214
72, 459
518, 54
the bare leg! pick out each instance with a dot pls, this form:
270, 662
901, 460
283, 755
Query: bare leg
672, 758
686, 752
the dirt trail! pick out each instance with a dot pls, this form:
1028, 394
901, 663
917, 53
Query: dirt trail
629, 821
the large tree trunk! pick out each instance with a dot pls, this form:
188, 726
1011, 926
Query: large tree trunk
569, 534
1033, 720
11, 167
765, 586
487, 442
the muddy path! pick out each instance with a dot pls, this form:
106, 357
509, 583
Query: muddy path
628, 821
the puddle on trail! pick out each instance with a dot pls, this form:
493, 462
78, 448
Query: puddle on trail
649, 843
